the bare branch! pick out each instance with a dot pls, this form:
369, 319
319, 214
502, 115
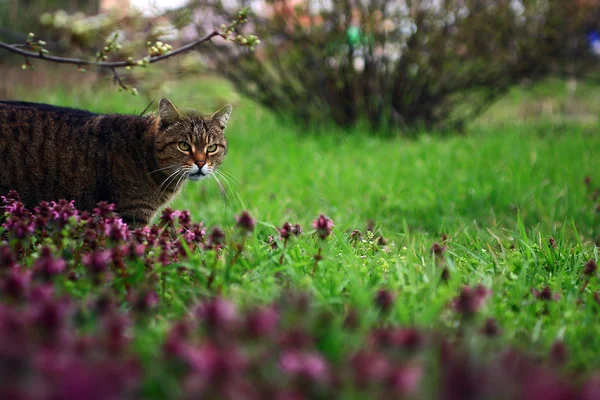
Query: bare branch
105, 64
117, 79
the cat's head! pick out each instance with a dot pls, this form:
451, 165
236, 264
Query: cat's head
189, 145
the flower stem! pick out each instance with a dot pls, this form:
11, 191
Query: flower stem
283, 252
318, 258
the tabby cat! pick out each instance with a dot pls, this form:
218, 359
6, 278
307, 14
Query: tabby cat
137, 163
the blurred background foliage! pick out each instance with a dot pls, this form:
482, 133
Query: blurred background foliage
391, 66
406, 64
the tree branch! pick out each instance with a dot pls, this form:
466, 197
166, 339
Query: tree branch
117, 79
106, 64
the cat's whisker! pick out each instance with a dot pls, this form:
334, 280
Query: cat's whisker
221, 188
171, 177
164, 189
225, 179
230, 175
234, 192
185, 173
167, 179
162, 169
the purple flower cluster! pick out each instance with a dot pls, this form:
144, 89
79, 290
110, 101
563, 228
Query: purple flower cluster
223, 352
78, 289
100, 240
43, 356
219, 351
471, 299
323, 226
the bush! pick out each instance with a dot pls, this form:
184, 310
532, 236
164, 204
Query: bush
398, 64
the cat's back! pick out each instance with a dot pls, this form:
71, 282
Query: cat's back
47, 151
20, 120
14, 112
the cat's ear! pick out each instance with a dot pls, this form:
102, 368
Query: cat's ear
222, 116
167, 111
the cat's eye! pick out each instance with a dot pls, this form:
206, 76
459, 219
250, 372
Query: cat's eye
184, 146
212, 148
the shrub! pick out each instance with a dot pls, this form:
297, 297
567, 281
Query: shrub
398, 64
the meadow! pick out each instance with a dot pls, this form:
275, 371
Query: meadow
511, 204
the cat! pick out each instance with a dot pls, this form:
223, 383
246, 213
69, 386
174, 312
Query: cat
137, 163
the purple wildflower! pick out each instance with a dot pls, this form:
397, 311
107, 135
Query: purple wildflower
545, 294
323, 225
310, 366
370, 367
174, 344
11, 197
84, 216
558, 353
297, 230
405, 379
116, 230
47, 266
438, 250
43, 213
140, 235
15, 208
271, 241
245, 222
97, 262
19, 227
471, 299
445, 276
216, 238
103, 304
16, 283
217, 314
146, 301
41, 293
295, 339
168, 217
199, 232
407, 338
219, 366
115, 327
185, 219
384, 299
63, 210
50, 316
285, 231
8, 258
490, 328
355, 236
352, 321
262, 322
591, 388
104, 210
135, 251
590, 267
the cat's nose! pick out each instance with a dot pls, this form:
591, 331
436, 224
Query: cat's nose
200, 163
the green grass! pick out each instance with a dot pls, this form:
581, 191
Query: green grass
499, 193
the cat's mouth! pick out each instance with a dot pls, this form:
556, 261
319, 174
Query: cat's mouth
200, 173
197, 176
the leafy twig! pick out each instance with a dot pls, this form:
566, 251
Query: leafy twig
107, 64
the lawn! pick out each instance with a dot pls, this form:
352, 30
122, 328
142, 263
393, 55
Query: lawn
510, 204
